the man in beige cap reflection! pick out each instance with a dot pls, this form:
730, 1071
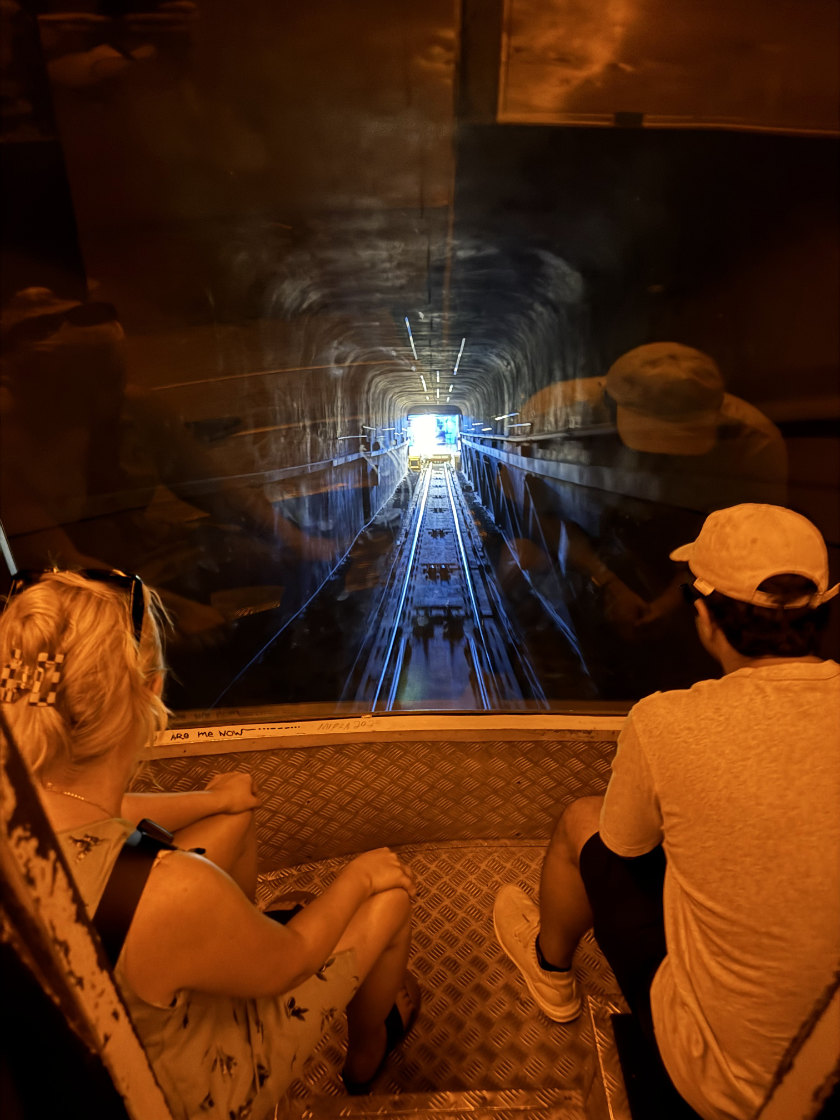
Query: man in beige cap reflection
665, 398
657, 432
710, 870
671, 400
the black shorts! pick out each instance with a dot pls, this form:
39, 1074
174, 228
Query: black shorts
626, 900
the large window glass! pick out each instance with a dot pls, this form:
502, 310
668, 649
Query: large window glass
326, 320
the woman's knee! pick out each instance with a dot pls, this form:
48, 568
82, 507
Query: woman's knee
395, 907
225, 836
245, 825
381, 923
388, 911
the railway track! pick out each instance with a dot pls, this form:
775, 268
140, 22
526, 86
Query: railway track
439, 635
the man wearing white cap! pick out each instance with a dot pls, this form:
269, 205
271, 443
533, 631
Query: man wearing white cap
710, 870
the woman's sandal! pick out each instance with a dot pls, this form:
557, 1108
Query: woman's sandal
396, 1028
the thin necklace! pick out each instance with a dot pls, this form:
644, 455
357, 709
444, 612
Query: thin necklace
78, 797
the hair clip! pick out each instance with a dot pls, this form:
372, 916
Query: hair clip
41, 682
13, 678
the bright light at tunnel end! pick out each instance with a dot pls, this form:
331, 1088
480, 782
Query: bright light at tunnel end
432, 434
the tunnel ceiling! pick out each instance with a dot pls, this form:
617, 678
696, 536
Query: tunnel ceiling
510, 178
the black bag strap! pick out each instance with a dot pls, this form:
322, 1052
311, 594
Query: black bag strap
125, 884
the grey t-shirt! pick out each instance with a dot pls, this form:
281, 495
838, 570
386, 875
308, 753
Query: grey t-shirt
740, 780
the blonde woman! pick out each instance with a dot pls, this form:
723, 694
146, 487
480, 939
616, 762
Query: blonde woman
228, 1003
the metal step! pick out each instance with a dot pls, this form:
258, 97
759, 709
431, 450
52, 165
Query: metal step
477, 1026
503, 1104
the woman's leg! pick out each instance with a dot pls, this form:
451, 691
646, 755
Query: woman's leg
380, 935
230, 841
218, 818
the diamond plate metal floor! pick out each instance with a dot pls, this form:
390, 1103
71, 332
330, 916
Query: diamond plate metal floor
480, 1046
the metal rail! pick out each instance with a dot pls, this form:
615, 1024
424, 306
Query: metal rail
418, 525
468, 582
439, 603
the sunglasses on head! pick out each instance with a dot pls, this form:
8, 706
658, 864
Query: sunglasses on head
130, 584
39, 327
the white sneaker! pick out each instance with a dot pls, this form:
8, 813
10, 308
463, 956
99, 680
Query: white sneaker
516, 920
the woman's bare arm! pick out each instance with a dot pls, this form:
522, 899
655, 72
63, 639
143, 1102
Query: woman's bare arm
195, 929
224, 793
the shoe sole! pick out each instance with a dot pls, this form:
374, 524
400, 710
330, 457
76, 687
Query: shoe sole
551, 1012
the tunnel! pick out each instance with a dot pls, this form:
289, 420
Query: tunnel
321, 319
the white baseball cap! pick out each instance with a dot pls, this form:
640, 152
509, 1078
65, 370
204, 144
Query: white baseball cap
741, 546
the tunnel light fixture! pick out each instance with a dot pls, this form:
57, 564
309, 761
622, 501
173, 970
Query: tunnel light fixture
389, 429
368, 428
358, 435
506, 416
411, 338
524, 424
458, 359
425, 386
451, 387
438, 374
438, 394
487, 429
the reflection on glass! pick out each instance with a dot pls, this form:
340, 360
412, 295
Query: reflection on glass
639, 457
399, 406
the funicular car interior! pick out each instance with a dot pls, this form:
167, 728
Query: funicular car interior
353, 256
